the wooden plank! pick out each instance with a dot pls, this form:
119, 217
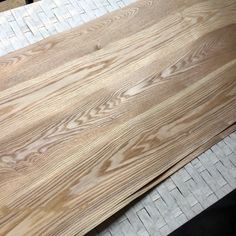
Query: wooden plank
45, 56
85, 136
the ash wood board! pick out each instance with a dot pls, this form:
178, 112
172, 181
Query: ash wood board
92, 118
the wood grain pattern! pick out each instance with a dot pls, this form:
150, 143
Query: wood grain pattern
106, 110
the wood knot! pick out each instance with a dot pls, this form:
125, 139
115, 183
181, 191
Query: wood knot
98, 46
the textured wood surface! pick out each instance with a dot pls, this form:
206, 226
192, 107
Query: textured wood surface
83, 134
9, 4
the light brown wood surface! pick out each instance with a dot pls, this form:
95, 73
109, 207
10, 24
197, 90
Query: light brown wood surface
92, 118
10, 4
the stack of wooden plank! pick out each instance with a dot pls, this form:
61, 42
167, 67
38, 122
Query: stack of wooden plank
92, 118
